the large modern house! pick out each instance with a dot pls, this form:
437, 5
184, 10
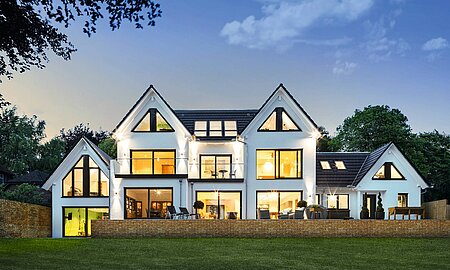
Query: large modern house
234, 161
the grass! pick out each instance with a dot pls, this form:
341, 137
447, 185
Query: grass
225, 253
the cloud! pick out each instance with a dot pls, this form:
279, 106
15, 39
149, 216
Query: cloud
283, 21
344, 68
435, 44
378, 45
328, 42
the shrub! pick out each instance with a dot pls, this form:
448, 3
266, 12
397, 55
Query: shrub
26, 193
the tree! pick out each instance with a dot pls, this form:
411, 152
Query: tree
29, 28
431, 155
72, 136
371, 128
20, 138
50, 155
25, 193
324, 142
109, 146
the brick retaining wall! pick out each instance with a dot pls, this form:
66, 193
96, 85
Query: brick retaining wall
270, 228
19, 219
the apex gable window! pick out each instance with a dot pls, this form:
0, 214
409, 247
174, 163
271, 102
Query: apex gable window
153, 162
388, 172
279, 120
85, 179
153, 121
279, 164
215, 128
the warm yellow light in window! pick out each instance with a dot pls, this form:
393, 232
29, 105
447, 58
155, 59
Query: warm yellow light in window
340, 165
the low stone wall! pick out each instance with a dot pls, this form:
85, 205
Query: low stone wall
270, 228
437, 209
19, 219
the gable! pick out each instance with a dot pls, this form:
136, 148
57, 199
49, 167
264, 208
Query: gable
82, 148
279, 120
283, 100
159, 113
390, 157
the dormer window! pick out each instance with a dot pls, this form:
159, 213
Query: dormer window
340, 165
215, 128
388, 172
325, 165
153, 121
279, 120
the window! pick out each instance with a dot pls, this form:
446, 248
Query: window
147, 202
215, 128
318, 201
337, 201
220, 204
215, 166
388, 172
153, 121
200, 128
152, 162
340, 165
402, 200
86, 179
77, 221
279, 164
325, 165
279, 120
278, 201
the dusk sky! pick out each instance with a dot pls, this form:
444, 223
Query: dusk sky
333, 56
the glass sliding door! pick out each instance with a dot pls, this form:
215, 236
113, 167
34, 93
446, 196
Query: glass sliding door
77, 221
278, 201
220, 204
147, 202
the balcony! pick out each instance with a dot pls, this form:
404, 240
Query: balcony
151, 167
216, 172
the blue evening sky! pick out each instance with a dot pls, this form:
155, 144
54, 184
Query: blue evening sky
333, 56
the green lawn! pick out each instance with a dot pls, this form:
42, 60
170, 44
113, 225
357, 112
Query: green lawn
224, 253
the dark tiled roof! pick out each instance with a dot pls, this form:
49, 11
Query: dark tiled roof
335, 177
32, 177
242, 117
372, 158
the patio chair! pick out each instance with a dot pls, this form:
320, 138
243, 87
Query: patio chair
299, 214
185, 213
263, 213
172, 213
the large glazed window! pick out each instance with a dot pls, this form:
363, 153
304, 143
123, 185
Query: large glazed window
278, 201
220, 204
402, 200
77, 221
153, 121
147, 202
215, 166
279, 120
86, 179
337, 201
153, 162
388, 172
279, 164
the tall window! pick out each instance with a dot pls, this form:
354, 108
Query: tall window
147, 202
278, 201
215, 128
337, 201
215, 166
153, 121
77, 221
388, 172
153, 162
85, 179
279, 164
402, 200
279, 120
220, 204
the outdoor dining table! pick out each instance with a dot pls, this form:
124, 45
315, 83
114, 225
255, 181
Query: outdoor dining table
223, 173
